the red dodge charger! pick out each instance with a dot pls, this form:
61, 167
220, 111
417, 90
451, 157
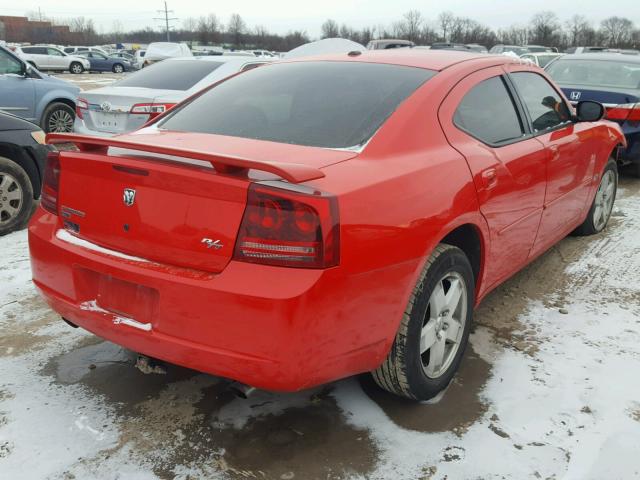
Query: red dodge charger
322, 217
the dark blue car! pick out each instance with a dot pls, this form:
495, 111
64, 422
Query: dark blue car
102, 63
612, 79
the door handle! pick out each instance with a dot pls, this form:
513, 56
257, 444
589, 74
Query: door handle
555, 152
490, 178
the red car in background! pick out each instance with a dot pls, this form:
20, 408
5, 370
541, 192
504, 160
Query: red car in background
319, 218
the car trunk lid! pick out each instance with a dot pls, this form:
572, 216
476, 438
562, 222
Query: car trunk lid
110, 108
164, 198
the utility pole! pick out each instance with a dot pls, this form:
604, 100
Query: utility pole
166, 19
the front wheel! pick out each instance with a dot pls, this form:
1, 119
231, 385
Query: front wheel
117, 68
602, 206
58, 118
434, 330
76, 68
16, 196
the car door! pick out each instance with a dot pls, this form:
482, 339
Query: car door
484, 122
100, 61
17, 92
570, 161
57, 60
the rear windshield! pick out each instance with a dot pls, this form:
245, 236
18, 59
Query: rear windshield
597, 73
170, 75
321, 104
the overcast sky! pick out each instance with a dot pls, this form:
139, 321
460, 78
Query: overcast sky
281, 16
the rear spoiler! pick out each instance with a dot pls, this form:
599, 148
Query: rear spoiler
292, 172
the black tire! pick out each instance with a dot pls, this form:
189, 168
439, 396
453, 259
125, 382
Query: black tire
76, 67
56, 118
593, 223
117, 68
403, 372
14, 212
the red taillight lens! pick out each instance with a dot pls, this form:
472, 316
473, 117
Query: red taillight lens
81, 104
151, 109
51, 183
629, 112
289, 228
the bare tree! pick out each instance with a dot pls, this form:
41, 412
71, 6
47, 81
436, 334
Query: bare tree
237, 28
616, 31
544, 28
446, 20
410, 25
577, 28
330, 29
209, 29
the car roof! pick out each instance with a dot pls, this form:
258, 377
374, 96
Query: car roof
611, 56
410, 57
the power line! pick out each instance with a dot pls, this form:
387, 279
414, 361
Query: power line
166, 19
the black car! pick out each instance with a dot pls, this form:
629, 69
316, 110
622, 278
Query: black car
22, 158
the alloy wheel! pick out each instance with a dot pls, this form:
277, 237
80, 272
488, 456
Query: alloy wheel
10, 198
604, 200
60, 121
444, 324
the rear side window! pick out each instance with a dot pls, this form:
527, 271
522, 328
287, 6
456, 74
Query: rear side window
487, 112
321, 104
546, 108
170, 75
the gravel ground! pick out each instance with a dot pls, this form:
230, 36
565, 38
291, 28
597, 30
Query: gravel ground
548, 389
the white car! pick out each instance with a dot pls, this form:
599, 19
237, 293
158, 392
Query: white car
128, 104
44, 57
158, 51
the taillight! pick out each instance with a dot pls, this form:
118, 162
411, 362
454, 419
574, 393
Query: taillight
289, 228
81, 104
151, 109
51, 183
629, 112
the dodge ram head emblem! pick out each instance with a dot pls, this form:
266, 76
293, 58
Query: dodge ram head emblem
575, 96
129, 196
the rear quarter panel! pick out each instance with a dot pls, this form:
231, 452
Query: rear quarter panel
397, 200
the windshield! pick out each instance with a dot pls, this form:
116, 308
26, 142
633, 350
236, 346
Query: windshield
170, 75
597, 73
322, 104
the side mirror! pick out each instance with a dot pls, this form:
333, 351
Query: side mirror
588, 111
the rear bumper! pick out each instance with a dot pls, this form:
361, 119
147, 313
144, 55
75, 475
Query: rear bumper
272, 328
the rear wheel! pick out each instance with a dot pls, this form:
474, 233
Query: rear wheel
16, 196
118, 68
434, 331
602, 206
76, 67
58, 117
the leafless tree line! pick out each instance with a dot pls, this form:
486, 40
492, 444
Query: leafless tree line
544, 28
